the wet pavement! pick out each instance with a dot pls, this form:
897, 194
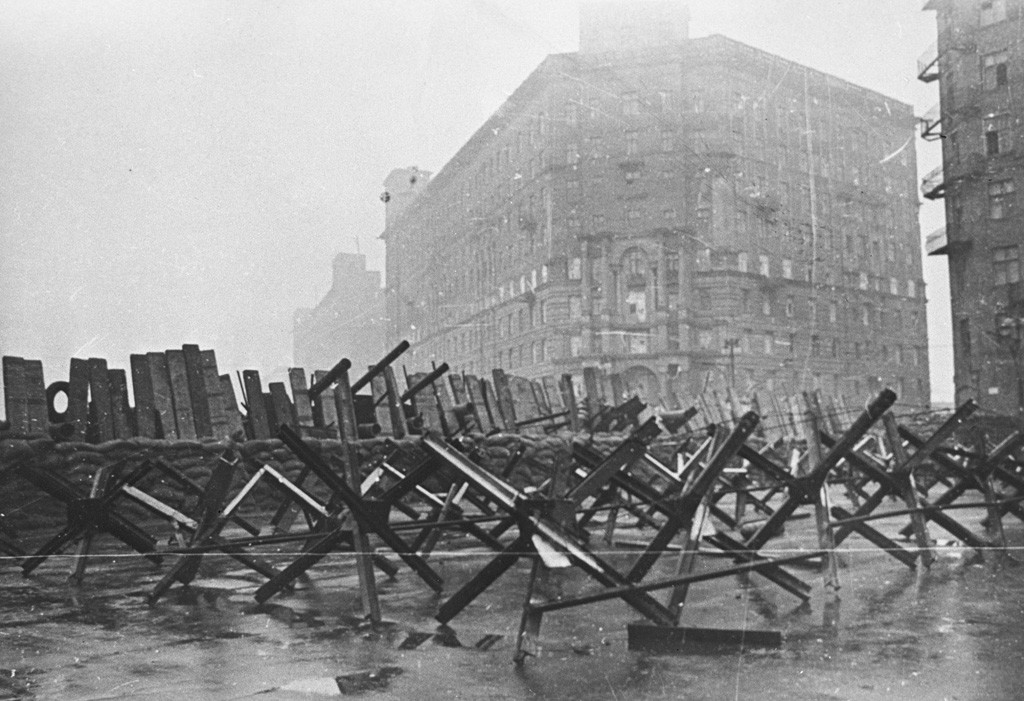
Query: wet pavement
954, 632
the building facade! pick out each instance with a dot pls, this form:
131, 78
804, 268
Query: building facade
978, 62
349, 322
687, 215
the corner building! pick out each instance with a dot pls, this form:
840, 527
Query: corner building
687, 216
979, 65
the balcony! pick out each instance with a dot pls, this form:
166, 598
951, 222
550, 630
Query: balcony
928, 64
933, 185
931, 124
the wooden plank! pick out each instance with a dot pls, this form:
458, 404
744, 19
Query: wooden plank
477, 409
395, 407
219, 424
197, 390
522, 394
231, 412
119, 407
474, 392
177, 375
505, 402
35, 397
540, 396
78, 397
324, 408
142, 388
99, 393
284, 413
443, 393
568, 393
379, 391
271, 410
458, 387
491, 405
163, 397
255, 406
593, 388
300, 400
551, 391
15, 396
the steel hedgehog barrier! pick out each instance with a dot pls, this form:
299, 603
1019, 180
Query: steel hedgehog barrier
516, 466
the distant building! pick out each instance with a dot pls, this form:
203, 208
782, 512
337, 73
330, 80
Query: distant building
683, 213
978, 62
347, 323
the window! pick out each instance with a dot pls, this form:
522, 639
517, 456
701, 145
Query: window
833, 312
632, 141
668, 140
742, 263
992, 11
769, 343
894, 288
790, 307
766, 306
630, 103
763, 266
633, 261
787, 268
670, 214
633, 215
1000, 199
570, 114
863, 281
672, 264
575, 269
575, 307
666, 100
636, 343
998, 134
993, 69
1006, 265
576, 346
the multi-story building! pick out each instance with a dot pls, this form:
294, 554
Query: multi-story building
978, 62
684, 213
349, 322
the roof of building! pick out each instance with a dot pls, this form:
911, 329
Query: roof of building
535, 82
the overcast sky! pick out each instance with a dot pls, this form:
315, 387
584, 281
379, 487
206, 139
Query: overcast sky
184, 172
